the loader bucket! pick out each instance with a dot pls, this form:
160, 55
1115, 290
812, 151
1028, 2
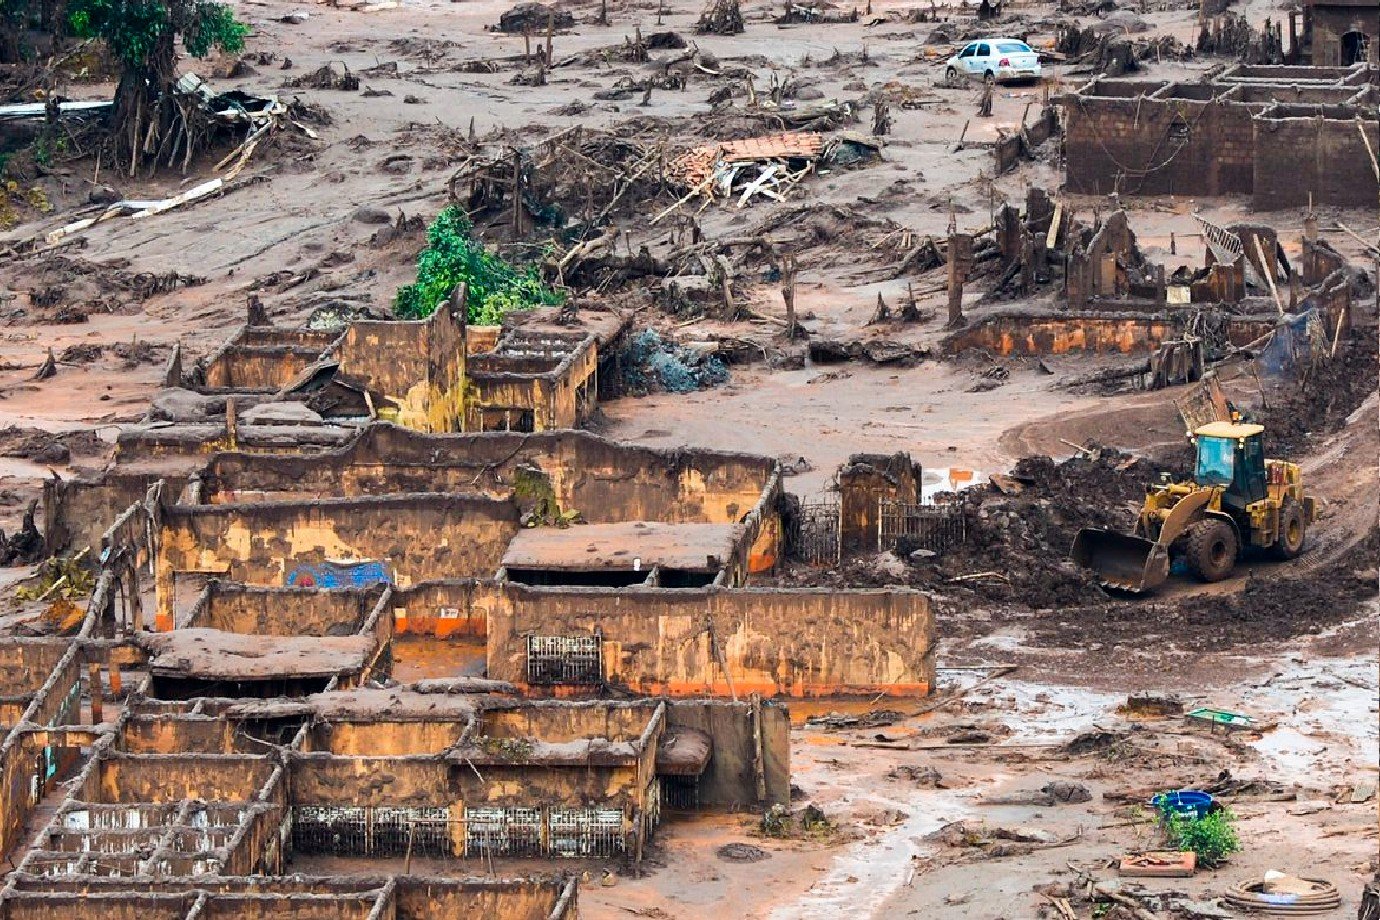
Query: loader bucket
1121, 561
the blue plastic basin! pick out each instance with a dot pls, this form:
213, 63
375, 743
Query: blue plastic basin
1186, 802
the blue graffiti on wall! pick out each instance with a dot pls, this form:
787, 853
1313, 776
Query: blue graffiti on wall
339, 575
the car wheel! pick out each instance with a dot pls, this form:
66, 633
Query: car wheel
950, 74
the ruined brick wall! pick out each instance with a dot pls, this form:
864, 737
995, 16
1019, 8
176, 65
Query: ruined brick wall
1301, 154
420, 366
864, 482
775, 642
1170, 146
170, 778
1331, 23
76, 512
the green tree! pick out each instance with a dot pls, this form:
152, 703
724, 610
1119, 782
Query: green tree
150, 122
452, 256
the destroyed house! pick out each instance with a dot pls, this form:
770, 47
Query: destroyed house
400, 897
1278, 134
219, 788
1341, 32
489, 541
538, 373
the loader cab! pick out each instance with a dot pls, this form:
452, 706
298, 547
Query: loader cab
1232, 456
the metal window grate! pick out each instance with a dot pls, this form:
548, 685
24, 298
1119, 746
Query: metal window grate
503, 832
565, 660
586, 832
905, 527
370, 830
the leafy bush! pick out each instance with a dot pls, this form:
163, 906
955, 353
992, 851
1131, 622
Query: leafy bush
452, 256
1212, 838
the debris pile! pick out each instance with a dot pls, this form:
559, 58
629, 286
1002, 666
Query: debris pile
652, 363
721, 17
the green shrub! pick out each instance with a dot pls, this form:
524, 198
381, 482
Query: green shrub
1212, 838
452, 256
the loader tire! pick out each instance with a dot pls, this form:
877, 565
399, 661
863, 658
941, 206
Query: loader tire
1292, 531
1211, 549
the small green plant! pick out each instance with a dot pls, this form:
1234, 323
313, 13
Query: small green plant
1212, 837
452, 256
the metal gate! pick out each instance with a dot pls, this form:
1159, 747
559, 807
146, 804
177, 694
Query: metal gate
903, 526
565, 660
819, 531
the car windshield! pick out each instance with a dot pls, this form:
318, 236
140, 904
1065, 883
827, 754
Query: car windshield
1214, 461
1013, 48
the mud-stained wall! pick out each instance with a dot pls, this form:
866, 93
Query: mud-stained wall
414, 898
1022, 334
132, 778
419, 365
156, 734
287, 612
504, 382
1212, 139
1331, 22
383, 737
413, 537
1152, 146
864, 482
730, 779
790, 643
1306, 154
42, 682
259, 367
77, 512
526, 900
604, 480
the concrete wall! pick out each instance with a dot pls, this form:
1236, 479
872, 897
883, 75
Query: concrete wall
730, 779
420, 365
794, 643
286, 612
258, 367
606, 481
1024, 334
419, 537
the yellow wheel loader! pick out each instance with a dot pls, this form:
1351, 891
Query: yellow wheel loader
1237, 498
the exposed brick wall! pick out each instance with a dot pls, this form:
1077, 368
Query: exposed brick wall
1327, 157
1191, 147
1330, 23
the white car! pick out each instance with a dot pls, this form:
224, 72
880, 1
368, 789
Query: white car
994, 60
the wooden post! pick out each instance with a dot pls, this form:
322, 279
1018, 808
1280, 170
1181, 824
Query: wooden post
960, 259
788, 292
550, 34
232, 426
758, 759
115, 680
517, 192
93, 677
